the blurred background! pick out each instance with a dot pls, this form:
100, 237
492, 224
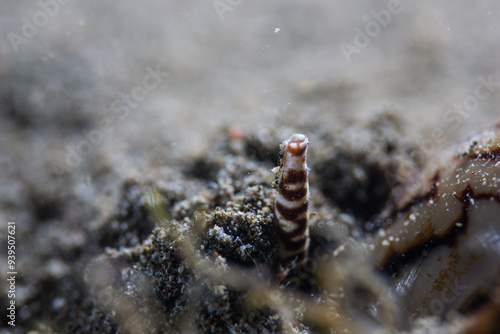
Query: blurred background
64, 63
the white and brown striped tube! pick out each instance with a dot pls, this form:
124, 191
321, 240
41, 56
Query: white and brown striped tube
292, 202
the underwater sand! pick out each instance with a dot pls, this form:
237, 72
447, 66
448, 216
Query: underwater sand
129, 210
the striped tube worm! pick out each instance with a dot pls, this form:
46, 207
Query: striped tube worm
292, 202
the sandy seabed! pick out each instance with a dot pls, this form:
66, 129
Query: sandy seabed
137, 142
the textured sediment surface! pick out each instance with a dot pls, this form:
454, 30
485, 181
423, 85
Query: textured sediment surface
137, 142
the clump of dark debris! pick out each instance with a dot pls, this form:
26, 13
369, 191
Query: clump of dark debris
207, 231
